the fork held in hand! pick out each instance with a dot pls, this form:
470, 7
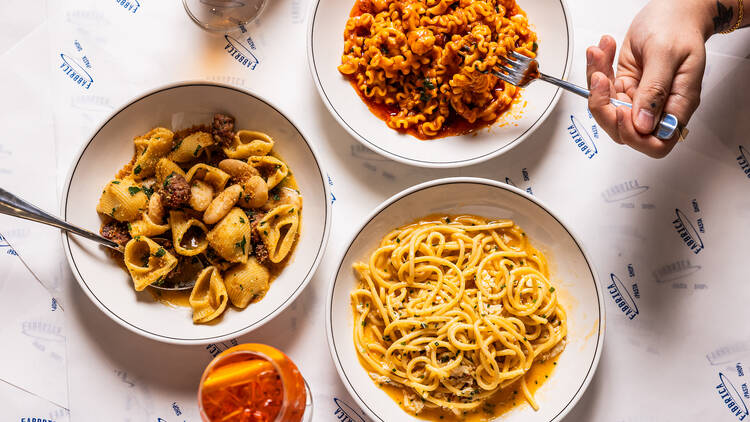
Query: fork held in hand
523, 70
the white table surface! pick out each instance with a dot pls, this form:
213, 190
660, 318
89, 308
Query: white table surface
62, 359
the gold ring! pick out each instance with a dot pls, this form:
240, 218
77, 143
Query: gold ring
683, 133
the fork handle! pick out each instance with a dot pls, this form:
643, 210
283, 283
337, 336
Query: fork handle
16, 207
665, 130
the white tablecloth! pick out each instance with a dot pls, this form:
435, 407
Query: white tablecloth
62, 359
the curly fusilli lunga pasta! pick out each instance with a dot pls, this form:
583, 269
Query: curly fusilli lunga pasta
424, 65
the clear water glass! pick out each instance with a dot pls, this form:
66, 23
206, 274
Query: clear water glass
223, 15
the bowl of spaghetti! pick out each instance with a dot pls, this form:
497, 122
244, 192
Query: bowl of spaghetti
412, 80
465, 298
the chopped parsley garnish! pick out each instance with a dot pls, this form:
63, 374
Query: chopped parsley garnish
115, 182
113, 211
197, 150
242, 220
428, 84
160, 253
148, 191
551, 289
177, 145
276, 196
159, 282
133, 190
534, 46
166, 179
137, 169
398, 240
364, 322
242, 287
241, 244
424, 96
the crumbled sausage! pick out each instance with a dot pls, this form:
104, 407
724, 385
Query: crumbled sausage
116, 232
222, 128
261, 252
176, 192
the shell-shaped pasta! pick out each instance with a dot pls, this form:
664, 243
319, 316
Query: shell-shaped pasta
147, 262
122, 200
230, 238
247, 143
271, 168
147, 227
166, 167
189, 235
150, 148
201, 195
221, 205
209, 297
191, 147
245, 282
278, 231
209, 174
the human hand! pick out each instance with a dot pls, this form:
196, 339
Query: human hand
659, 70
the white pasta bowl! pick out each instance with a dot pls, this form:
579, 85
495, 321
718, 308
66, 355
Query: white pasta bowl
571, 271
550, 19
105, 280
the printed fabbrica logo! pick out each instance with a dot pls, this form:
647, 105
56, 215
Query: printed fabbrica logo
689, 235
742, 160
239, 52
675, 270
581, 138
622, 191
346, 413
731, 397
131, 6
75, 71
622, 297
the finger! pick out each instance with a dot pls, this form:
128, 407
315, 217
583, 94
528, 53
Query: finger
686, 88
604, 112
601, 58
647, 144
653, 90
608, 45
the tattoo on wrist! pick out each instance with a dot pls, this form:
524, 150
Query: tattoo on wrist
723, 17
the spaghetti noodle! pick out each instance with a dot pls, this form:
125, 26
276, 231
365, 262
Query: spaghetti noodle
424, 65
452, 310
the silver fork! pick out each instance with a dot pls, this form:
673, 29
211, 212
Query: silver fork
524, 70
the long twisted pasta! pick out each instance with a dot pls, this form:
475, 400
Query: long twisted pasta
453, 310
423, 65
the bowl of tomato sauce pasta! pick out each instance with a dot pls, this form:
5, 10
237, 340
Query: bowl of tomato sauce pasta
413, 79
465, 299
209, 191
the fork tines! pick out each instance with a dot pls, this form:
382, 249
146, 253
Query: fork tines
512, 71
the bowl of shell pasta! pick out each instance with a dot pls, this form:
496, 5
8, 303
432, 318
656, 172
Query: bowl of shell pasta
218, 202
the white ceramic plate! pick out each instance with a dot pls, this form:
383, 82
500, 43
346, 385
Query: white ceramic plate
325, 43
571, 270
179, 106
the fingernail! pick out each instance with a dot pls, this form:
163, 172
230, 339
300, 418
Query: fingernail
601, 42
589, 56
645, 119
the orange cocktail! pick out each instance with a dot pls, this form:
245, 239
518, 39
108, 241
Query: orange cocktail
253, 383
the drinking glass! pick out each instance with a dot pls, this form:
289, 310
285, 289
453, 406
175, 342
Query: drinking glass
223, 15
